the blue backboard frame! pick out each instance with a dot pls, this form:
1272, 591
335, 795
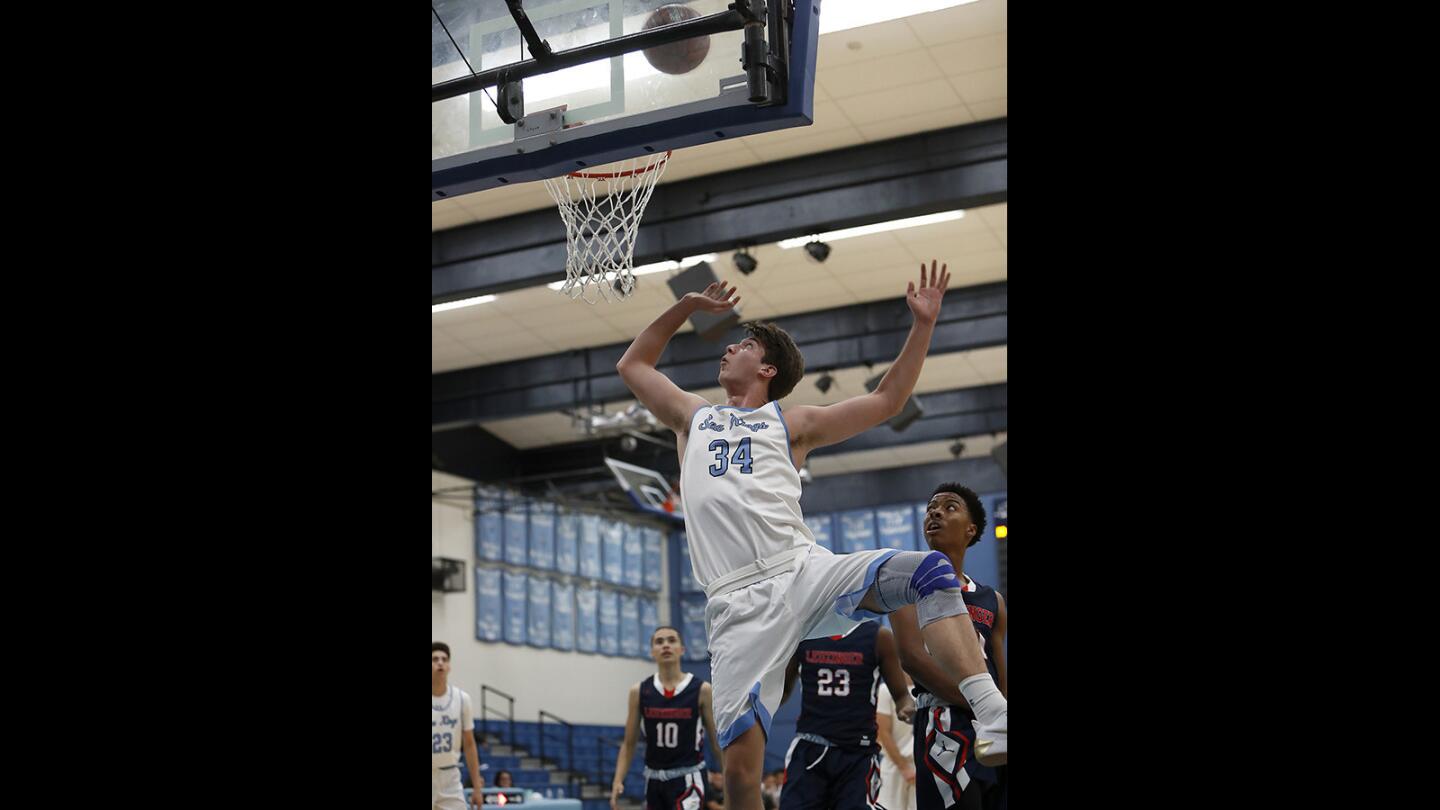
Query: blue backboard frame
721, 118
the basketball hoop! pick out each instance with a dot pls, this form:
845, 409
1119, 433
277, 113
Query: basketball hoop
602, 213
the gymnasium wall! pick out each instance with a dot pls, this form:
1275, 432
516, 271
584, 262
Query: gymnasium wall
579, 687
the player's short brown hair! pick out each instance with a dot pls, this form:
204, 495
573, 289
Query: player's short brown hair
780, 352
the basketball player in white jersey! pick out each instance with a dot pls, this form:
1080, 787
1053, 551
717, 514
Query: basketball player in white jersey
768, 585
668, 710
451, 725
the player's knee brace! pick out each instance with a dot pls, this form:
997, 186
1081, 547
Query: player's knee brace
937, 589
924, 579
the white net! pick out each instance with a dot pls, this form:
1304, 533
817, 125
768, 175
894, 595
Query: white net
602, 216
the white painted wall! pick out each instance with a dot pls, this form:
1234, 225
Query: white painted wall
579, 687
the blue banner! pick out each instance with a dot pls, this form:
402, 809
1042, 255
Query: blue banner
517, 593
567, 542
922, 544
590, 546
687, 574
896, 527
612, 536
649, 620
692, 624
609, 622
654, 564
488, 604
629, 625
587, 615
489, 535
542, 535
823, 527
634, 556
517, 520
857, 530
562, 613
538, 634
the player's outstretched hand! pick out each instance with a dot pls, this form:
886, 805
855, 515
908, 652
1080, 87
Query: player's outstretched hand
925, 301
716, 298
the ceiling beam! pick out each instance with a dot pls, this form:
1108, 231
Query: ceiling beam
960, 167
957, 413
843, 337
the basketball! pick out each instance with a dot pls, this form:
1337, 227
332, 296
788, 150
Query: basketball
677, 57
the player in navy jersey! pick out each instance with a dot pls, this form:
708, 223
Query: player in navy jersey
668, 709
947, 774
834, 761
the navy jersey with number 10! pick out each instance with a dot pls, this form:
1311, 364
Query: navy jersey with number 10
671, 725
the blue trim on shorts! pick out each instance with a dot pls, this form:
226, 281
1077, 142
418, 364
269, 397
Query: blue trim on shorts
743, 723
787, 432
848, 605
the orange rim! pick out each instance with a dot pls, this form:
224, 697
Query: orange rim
613, 175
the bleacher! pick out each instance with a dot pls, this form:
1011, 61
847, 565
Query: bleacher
587, 778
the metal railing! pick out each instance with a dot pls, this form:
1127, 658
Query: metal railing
605, 770
485, 711
568, 732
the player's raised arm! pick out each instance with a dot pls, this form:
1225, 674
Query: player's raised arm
671, 405
820, 425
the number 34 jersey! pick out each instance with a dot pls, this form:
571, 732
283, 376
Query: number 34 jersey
740, 488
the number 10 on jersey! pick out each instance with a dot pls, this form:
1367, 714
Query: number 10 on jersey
723, 459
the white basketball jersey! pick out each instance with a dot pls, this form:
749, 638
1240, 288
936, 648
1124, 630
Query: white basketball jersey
450, 716
741, 489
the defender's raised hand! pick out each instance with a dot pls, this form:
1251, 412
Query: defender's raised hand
925, 301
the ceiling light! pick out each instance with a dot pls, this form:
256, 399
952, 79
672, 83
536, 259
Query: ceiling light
878, 227
465, 302
841, 15
657, 267
819, 251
